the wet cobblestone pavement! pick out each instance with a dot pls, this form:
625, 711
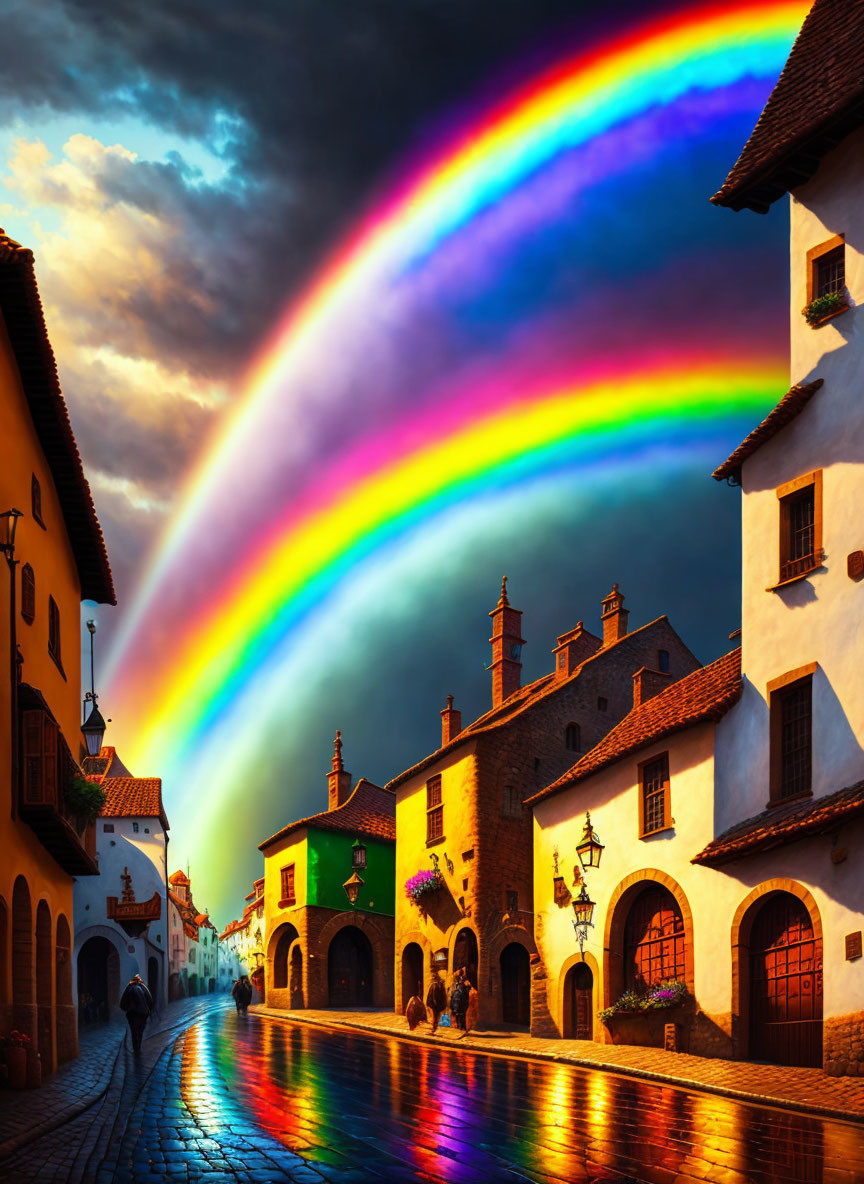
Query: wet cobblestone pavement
232, 1099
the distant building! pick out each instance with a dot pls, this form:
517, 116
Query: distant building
121, 916
58, 560
193, 954
461, 809
322, 949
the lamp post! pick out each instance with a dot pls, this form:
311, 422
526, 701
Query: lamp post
9, 520
93, 727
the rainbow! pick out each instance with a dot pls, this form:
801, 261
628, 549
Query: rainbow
483, 435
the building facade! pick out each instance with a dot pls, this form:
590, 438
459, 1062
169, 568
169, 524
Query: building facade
58, 559
193, 951
323, 948
121, 915
460, 812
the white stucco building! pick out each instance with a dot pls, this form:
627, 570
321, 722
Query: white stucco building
121, 918
733, 810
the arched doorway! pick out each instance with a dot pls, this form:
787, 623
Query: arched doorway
654, 939
515, 985
412, 972
153, 979
350, 969
297, 977
785, 984
44, 987
578, 1017
280, 946
98, 980
193, 984
67, 1041
465, 954
23, 1002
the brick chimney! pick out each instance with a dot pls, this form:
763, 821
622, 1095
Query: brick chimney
573, 648
507, 645
451, 722
648, 683
614, 617
338, 781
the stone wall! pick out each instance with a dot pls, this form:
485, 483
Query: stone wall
843, 1045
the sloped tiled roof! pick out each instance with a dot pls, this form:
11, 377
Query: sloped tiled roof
178, 877
25, 323
133, 797
369, 812
706, 694
784, 824
817, 101
791, 405
114, 767
517, 703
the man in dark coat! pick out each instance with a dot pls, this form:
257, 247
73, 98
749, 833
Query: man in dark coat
242, 992
459, 998
137, 1002
436, 999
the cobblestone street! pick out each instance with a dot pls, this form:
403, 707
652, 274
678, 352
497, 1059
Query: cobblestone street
216, 1097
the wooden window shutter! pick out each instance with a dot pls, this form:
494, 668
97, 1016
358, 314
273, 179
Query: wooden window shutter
39, 745
28, 594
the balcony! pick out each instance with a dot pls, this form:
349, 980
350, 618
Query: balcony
46, 768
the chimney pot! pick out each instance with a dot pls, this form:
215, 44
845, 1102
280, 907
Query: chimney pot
648, 683
338, 780
451, 722
614, 617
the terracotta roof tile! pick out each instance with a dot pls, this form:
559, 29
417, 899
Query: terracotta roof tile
25, 323
784, 824
133, 797
790, 406
369, 812
818, 99
178, 877
514, 706
706, 694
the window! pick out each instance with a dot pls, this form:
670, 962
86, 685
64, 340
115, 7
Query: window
511, 899
573, 738
192, 955
654, 811
800, 526
135, 827
654, 940
108, 828
602, 703
663, 661
826, 268
54, 630
28, 594
287, 884
434, 810
791, 706
511, 806
36, 499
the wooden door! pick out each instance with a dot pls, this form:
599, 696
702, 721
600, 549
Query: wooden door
516, 985
785, 985
581, 997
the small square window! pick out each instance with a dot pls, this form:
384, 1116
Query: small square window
146, 830
602, 703
108, 828
135, 827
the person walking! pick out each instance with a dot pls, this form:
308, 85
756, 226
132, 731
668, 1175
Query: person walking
459, 998
436, 999
415, 1012
242, 993
137, 1002
472, 1009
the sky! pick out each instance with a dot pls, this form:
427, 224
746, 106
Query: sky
359, 306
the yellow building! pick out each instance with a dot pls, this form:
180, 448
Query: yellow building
55, 559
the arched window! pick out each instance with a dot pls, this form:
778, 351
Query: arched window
28, 594
654, 939
573, 738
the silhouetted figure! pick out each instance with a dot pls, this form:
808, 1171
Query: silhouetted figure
137, 1002
459, 998
415, 1012
436, 999
472, 1009
242, 993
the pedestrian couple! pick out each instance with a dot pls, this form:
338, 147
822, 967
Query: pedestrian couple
242, 994
137, 1002
464, 1001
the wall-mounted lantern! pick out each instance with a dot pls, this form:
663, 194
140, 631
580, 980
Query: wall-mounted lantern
358, 854
583, 911
589, 848
352, 888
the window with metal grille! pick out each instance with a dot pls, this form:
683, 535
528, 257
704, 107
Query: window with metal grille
655, 794
654, 940
36, 499
28, 594
434, 810
793, 734
799, 530
53, 629
287, 885
830, 272
573, 738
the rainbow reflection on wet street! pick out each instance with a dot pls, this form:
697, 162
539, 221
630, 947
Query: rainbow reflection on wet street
355, 1107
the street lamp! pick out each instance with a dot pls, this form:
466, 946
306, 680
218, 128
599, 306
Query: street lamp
94, 726
589, 848
352, 888
7, 533
358, 854
583, 910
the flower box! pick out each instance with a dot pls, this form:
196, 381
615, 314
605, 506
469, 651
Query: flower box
825, 308
648, 1028
423, 884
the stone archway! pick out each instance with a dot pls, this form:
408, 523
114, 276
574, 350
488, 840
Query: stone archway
621, 903
571, 1007
412, 938
745, 939
98, 979
350, 969
23, 992
45, 987
321, 932
412, 972
465, 951
278, 949
66, 1027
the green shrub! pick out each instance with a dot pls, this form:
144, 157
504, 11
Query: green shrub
666, 994
84, 799
823, 306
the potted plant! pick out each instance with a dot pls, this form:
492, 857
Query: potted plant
83, 799
640, 1017
423, 884
823, 308
15, 1054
